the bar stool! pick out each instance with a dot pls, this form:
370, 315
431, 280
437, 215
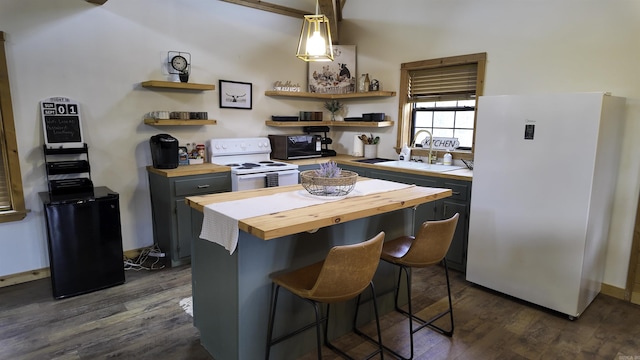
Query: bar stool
428, 247
343, 275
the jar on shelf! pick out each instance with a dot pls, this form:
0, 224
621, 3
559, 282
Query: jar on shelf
364, 83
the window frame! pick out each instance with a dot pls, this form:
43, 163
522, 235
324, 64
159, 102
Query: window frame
9, 144
405, 106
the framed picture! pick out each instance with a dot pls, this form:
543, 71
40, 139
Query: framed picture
337, 76
235, 94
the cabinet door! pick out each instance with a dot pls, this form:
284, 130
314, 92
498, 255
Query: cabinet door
183, 214
458, 202
457, 255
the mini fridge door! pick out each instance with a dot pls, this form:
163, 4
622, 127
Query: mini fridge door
85, 242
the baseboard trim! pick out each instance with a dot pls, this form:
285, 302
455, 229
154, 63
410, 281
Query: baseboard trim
23, 277
31, 275
613, 291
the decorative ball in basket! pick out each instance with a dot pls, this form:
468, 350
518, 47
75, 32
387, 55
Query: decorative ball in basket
329, 180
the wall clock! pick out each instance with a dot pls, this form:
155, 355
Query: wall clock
179, 63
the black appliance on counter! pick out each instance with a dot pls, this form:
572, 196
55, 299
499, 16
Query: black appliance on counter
83, 226
164, 151
325, 141
289, 147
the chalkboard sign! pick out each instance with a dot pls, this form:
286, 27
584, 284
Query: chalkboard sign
61, 123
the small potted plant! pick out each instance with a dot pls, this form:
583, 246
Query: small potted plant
333, 106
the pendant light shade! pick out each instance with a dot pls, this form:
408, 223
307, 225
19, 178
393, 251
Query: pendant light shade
315, 39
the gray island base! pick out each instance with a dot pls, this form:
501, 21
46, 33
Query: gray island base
231, 293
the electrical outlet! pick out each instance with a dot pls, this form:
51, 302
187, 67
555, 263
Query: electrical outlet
157, 254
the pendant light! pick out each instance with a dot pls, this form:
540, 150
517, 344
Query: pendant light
315, 38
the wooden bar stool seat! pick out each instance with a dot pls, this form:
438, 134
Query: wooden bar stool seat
344, 274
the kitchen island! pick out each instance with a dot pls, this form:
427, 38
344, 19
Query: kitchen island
231, 292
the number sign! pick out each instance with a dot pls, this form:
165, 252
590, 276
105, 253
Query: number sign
61, 123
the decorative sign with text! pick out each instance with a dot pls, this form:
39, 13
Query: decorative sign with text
442, 143
61, 123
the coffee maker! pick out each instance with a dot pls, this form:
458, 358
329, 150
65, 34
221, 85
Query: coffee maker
164, 151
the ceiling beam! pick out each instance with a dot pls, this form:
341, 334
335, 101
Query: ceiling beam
332, 9
261, 5
329, 9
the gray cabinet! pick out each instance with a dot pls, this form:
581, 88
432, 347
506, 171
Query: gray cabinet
437, 210
172, 230
458, 202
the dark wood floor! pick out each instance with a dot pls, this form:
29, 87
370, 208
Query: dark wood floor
142, 320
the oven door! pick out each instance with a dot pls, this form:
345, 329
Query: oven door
259, 180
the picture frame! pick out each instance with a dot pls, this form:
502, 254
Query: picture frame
335, 77
235, 94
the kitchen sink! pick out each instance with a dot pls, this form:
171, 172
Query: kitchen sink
416, 165
373, 160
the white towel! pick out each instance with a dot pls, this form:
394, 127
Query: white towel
220, 224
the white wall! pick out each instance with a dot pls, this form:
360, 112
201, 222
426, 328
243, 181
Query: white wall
98, 55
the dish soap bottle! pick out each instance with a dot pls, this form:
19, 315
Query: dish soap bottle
405, 153
447, 159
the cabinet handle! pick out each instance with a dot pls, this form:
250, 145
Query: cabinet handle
455, 193
203, 186
444, 211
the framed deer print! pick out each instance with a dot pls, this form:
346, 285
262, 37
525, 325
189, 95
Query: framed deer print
337, 76
235, 94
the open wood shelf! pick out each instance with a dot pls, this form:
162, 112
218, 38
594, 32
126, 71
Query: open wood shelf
176, 85
308, 95
179, 122
330, 123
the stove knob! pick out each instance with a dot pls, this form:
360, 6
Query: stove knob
224, 146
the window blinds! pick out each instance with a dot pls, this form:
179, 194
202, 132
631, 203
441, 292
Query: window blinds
456, 82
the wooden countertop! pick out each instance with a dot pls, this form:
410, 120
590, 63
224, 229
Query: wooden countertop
461, 174
199, 169
186, 170
290, 222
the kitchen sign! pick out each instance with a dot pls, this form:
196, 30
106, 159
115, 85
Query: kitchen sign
442, 143
61, 123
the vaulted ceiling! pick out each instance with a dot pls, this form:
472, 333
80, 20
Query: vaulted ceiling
332, 9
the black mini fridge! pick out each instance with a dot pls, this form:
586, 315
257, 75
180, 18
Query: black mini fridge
85, 241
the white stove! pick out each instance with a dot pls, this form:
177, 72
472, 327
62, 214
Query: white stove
250, 162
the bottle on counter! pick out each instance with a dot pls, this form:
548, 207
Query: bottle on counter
447, 159
405, 153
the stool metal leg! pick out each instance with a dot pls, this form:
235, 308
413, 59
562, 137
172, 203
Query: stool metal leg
378, 328
271, 341
423, 323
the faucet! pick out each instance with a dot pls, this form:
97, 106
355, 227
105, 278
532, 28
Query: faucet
430, 142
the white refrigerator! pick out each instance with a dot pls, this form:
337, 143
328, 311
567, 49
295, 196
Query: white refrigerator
545, 170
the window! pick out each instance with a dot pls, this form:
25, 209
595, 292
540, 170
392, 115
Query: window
12, 207
439, 95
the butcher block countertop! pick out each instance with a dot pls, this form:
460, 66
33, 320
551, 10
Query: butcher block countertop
186, 170
199, 169
290, 222
461, 174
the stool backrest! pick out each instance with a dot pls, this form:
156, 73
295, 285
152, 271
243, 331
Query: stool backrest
431, 243
347, 270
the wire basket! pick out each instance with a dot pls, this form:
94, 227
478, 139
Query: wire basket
325, 186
